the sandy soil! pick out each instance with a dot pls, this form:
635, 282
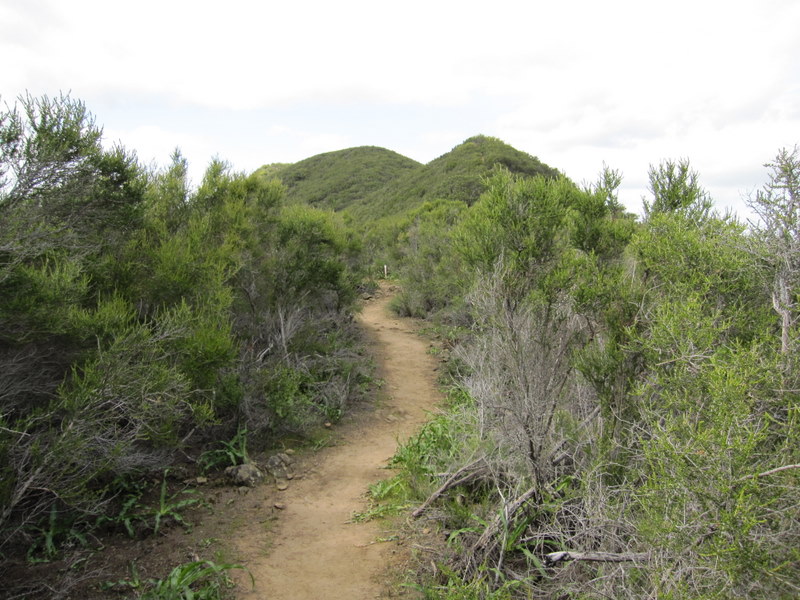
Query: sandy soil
311, 549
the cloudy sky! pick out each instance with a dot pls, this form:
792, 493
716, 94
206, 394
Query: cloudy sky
577, 83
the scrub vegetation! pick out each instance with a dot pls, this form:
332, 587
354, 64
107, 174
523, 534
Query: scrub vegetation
624, 413
145, 322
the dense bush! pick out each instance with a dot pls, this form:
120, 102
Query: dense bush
140, 317
632, 392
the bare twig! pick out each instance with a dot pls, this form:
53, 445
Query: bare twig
462, 475
770, 472
489, 535
556, 557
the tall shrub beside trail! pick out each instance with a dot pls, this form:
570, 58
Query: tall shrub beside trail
299, 366
777, 207
714, 524
429, 268
534, 304
67, 207
634, 382
139, 314
519, 222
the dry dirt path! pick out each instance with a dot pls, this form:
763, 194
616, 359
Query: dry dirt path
316, 552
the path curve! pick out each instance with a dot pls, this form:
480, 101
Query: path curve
317, 553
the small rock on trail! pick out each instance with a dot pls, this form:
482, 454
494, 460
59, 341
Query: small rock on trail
247, 474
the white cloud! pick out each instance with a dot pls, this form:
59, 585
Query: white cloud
575, 83
154, 146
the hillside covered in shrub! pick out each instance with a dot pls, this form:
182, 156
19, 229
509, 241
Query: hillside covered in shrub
623, 417
370, 183
456, 175
336, 180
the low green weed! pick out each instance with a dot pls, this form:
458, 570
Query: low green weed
454, 587
134, 511
388, 488
437, 441
375, 511
132, 491
171, 506
231, 453
198, 580
320, 441
386, 498
58, 533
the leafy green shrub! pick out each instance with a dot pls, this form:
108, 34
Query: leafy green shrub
315, 256
429, 269
706, 437
287, 392
634, 395
136, 313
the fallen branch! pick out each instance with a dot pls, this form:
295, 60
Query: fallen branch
557, 557
463, 475
770, 472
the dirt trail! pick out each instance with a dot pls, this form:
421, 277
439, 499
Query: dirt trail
316, 552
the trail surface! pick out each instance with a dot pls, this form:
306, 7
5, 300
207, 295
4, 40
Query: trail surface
317, 552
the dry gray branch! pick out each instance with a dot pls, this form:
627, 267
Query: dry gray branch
488, 538
463, 475
769, 472
556, 557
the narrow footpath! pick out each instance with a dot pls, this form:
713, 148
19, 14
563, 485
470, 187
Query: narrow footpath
317, 552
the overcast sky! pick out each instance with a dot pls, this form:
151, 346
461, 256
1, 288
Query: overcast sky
576, 83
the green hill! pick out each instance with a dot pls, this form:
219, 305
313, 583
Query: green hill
456, 175
372, 183
334, 180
